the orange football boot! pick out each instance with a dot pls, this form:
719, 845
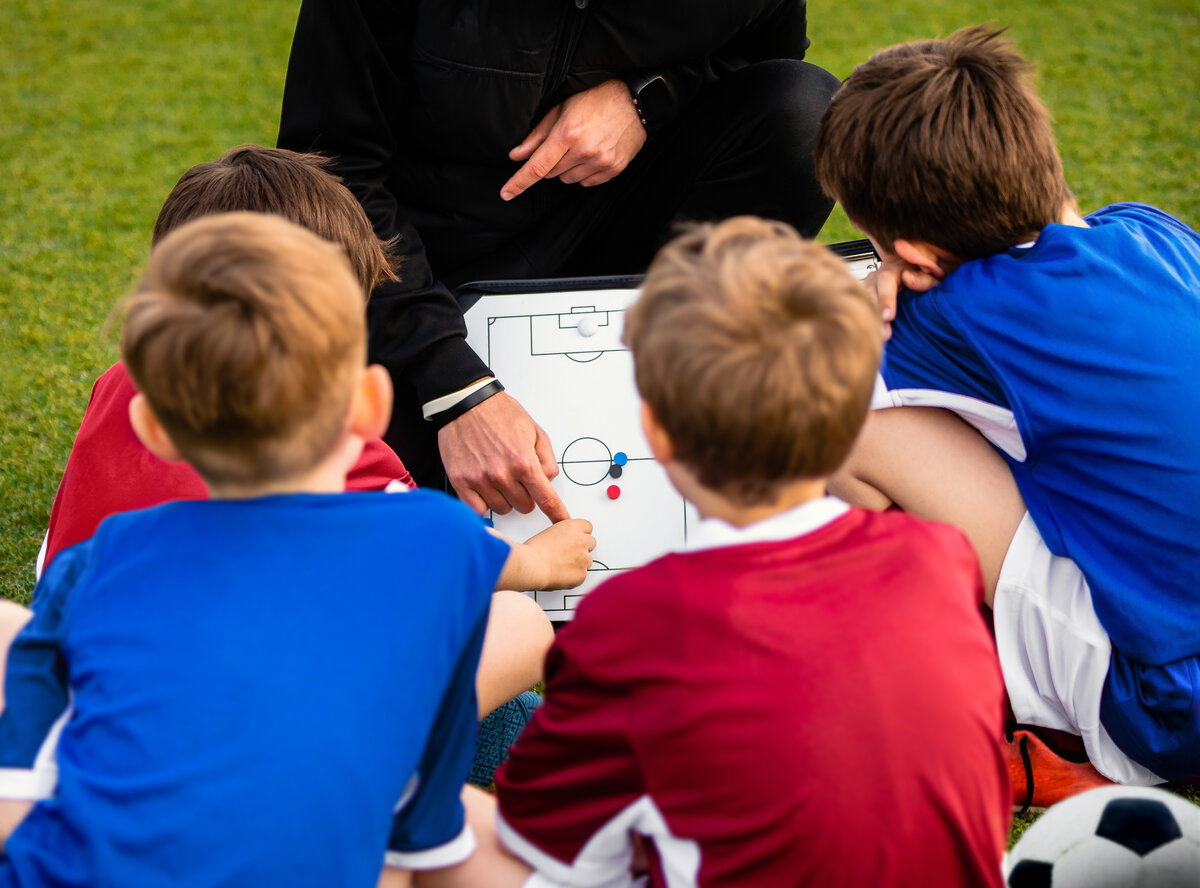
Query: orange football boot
1041, 772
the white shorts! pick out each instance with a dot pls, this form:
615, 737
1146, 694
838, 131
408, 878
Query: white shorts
1053, 651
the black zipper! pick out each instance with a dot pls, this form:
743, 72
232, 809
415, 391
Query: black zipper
564, 50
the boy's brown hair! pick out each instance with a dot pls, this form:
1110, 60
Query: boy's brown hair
756, 351
296, 186
244, 336
943, 141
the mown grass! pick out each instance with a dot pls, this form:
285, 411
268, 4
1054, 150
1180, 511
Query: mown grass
105, 105
106, 102
1122, 81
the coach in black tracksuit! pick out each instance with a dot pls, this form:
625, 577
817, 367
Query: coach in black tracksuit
468, 127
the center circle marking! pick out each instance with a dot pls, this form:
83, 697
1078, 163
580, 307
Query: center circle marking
586, 461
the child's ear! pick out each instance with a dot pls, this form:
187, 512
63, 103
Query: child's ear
150, 431
661, 447
371, 403
925, 256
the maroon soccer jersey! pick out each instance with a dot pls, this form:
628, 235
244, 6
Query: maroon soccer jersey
110, 470
780, 709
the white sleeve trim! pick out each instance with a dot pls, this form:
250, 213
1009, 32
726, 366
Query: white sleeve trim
40, 565
584, 870
439, 405
28, 784
537, 880
880, 396
995, 423
605, 861
455, 851
41, 779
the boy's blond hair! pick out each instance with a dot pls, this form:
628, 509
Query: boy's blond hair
287, 183
244, 336
756, 351
943, 141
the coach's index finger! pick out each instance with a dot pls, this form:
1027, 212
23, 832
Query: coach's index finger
549, 153
547, 499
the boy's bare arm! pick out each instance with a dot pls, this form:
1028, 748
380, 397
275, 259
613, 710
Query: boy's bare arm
932, 464
13, 618
556, 558
12, 812
394, 878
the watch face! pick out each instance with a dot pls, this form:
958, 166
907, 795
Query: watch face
652, 99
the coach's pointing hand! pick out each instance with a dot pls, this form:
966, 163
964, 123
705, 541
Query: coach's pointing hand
498, 458
590, 138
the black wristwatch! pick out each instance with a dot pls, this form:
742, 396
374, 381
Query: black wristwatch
653, 98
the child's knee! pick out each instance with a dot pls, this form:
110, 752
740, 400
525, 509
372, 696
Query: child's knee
12, 618
515, 615
514, 649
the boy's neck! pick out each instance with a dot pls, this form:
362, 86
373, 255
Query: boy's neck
948, 262
1069, 216
327, 476
711, 504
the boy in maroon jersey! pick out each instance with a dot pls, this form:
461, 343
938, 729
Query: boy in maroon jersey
808, 694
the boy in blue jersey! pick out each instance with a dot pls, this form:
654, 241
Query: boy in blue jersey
1073, 345
275, 686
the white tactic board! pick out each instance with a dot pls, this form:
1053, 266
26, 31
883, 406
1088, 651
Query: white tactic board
557, 348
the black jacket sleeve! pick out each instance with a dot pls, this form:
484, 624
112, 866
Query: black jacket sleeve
346, 81
780, 34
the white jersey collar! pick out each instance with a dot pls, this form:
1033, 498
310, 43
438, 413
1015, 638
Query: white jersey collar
714, 533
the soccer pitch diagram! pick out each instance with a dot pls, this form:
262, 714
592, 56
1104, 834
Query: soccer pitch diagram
559, 353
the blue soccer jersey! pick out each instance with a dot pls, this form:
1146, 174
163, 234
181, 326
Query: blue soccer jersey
1088, 343
276, 691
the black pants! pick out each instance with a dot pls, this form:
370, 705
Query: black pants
744, 146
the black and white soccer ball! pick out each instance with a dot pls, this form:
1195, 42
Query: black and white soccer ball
1123, 836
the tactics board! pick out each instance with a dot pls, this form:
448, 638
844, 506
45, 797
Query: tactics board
556, 346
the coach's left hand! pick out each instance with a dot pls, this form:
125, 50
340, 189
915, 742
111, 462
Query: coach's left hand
589, 138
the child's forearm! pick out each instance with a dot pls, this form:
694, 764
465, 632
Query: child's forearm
556, 558
524, 571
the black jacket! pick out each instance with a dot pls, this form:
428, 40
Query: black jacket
420, 101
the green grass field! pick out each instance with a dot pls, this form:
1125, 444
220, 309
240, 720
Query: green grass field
106, 102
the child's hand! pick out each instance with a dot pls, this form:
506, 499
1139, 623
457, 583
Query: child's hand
563, 553
886, 282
